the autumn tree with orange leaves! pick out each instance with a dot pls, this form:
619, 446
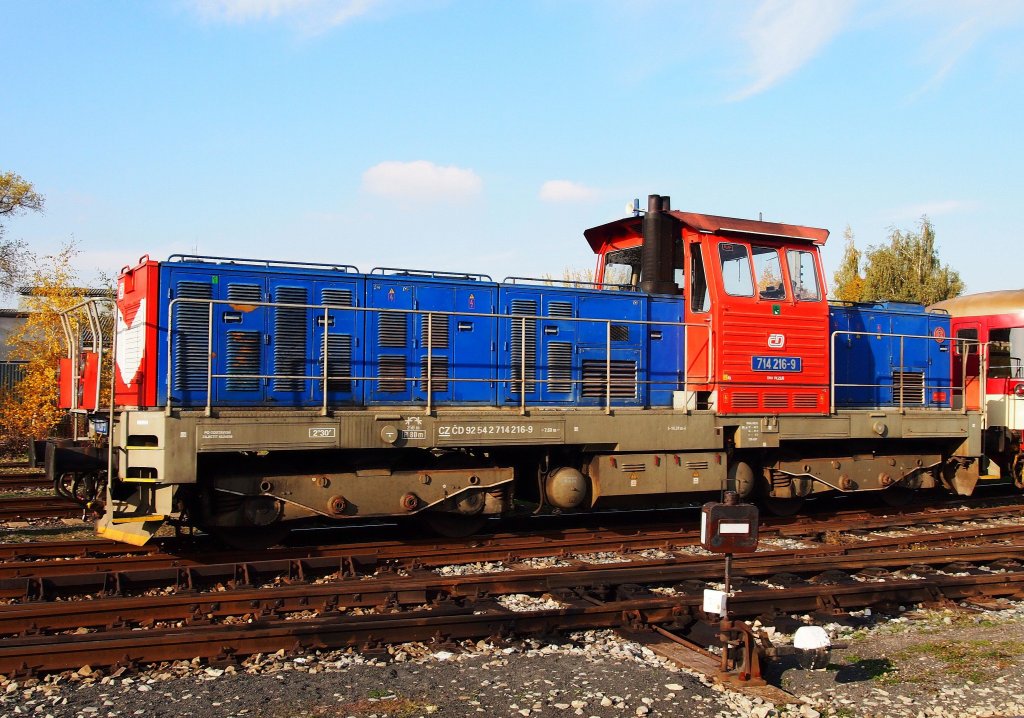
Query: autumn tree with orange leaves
29, 410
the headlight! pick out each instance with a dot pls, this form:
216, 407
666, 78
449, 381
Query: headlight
1019, 391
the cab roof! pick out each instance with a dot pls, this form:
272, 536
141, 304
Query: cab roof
630, 227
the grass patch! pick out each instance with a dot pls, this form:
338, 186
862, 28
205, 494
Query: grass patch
970, 660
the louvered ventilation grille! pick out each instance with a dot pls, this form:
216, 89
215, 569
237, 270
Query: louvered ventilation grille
438, 374
776, 401
336, 297
805, 401
560, 367
192, 336
620, 333
290, 338
696, 465
524, 307
339, 362
910, 384
560, 309
392, 330
244, 359
391, 370
623, 378
244, 293
438, 329
634, 467
744, 400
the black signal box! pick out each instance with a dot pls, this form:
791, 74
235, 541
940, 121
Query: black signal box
729, 528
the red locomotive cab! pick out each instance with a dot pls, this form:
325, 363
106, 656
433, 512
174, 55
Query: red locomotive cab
757, 332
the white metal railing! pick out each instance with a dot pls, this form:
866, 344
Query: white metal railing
324, 378
900, 385
74, 345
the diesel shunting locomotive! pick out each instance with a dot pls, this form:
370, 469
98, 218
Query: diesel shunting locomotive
248, 396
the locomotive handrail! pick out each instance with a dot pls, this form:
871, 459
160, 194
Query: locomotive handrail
433, 274
97, 343
833, 384
346, 268
428, 380
571, 283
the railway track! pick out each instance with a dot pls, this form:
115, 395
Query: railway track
470, 607
167, 607
98, 557
22, 478
37, 507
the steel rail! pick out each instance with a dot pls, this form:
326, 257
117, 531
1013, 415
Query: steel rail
16, 509
96, 558
425, 587
447, 622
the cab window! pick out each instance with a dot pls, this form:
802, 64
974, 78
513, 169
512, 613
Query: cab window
968, 342
768, 273
736, 277
803, 275
622, 267
700, 296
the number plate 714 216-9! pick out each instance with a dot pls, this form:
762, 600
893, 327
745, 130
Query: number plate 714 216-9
776, 363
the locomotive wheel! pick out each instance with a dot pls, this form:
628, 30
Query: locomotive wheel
452, 525
250, 538
783, 507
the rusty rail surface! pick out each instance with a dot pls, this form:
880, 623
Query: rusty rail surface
121, 562
113, 605
448, 620
38, 507
23, 479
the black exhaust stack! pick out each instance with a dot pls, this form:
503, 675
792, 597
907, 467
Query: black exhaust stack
660, 230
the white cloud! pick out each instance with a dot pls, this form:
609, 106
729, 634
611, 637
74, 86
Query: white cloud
566, 191
964, 26
311, 14
421, 180
783, 35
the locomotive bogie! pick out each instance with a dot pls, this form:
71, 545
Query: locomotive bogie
367, 492
807, 475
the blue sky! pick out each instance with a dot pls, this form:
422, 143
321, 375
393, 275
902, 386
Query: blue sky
485, 136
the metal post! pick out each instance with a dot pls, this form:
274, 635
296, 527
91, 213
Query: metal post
608, 368
903, 373
209, 360
725, 616
430, 358
832, 375
98, 347
327, 324
110, 410
170, 352
522, 369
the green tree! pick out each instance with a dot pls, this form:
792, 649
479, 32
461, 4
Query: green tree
16, 197
908, 269
847, 282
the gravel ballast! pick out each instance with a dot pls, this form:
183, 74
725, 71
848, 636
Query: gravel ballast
921, 664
